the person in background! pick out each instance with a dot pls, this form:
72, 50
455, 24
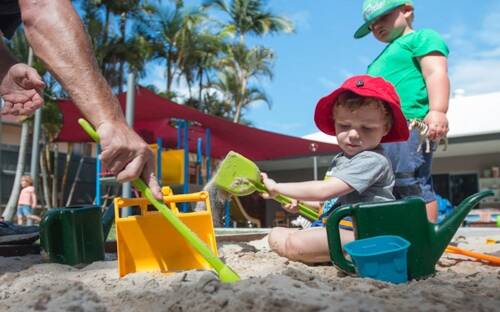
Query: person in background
27, 202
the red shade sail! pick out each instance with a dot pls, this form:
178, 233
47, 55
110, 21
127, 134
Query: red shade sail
154, 117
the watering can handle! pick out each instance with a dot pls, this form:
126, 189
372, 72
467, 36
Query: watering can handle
304, 210
333, 233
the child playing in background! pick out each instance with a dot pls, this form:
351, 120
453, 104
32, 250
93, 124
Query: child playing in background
26, 202
362, 113
415, 62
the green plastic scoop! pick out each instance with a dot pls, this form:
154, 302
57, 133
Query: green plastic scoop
240, 176
226, 274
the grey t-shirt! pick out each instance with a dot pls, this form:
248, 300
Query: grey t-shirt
369, 173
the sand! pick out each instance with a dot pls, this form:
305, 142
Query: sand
269, 283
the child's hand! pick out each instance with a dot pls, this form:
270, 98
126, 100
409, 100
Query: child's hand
438, 125
292, 207
270, 185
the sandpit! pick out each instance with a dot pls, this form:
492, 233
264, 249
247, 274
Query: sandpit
269, 283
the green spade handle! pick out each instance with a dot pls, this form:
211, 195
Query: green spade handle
226, 274
304, 210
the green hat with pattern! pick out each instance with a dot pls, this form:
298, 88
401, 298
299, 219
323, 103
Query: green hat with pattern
373, 9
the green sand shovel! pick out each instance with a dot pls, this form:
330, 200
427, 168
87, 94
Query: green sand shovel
240, 176
226, 274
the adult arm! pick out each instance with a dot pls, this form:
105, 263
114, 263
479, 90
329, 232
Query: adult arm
57, 35
435, 71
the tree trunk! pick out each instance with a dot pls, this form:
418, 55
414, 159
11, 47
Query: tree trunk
11, 207
75, 181
45, 179
65, 173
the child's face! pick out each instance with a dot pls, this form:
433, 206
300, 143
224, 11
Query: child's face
392, 25
24, 183
361, 129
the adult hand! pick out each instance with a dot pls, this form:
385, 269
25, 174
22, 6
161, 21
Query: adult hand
438, 125
21, 89
126, 155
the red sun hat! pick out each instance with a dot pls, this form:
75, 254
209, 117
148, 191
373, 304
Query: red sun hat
367, 86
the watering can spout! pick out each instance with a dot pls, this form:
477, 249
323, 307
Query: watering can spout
445, 231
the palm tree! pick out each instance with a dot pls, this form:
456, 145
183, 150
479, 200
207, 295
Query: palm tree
244, 65
170, 30
237, 96
250, 17
115, 50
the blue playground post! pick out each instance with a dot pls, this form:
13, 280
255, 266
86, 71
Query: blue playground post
159, 151
98, 177
207, 153
227, 219
199, 159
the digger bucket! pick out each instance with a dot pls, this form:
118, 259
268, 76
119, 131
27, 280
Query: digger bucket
148, 242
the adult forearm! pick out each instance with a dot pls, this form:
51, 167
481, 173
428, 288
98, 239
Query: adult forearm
438, 88
57, 36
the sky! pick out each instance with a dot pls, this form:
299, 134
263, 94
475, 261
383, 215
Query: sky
322, 53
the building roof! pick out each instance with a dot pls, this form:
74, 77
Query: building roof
474, 115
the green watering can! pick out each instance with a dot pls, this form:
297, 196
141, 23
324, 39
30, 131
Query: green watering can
406, 218
226, 274
240, 176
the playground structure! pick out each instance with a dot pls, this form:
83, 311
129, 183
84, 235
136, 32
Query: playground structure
174, 167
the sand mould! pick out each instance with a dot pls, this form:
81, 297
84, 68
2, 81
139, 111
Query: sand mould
270, 283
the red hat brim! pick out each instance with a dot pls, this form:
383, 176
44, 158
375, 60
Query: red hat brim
324, 115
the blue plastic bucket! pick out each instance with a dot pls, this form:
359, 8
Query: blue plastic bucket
380, 257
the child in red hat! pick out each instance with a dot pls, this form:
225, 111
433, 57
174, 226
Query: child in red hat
362, 113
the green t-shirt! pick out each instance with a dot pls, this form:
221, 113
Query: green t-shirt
398, 64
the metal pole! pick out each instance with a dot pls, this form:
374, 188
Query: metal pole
315, 165
159, 159
129, 115
35, 147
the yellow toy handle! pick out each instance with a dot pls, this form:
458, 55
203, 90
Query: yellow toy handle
226, 274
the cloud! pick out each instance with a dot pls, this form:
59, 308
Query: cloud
475, 59
476, 76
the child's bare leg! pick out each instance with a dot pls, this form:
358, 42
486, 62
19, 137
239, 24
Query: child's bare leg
34, 218
20, 220
277, 239
309, 246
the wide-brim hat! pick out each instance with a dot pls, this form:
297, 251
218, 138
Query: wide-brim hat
373, 9
366, 86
